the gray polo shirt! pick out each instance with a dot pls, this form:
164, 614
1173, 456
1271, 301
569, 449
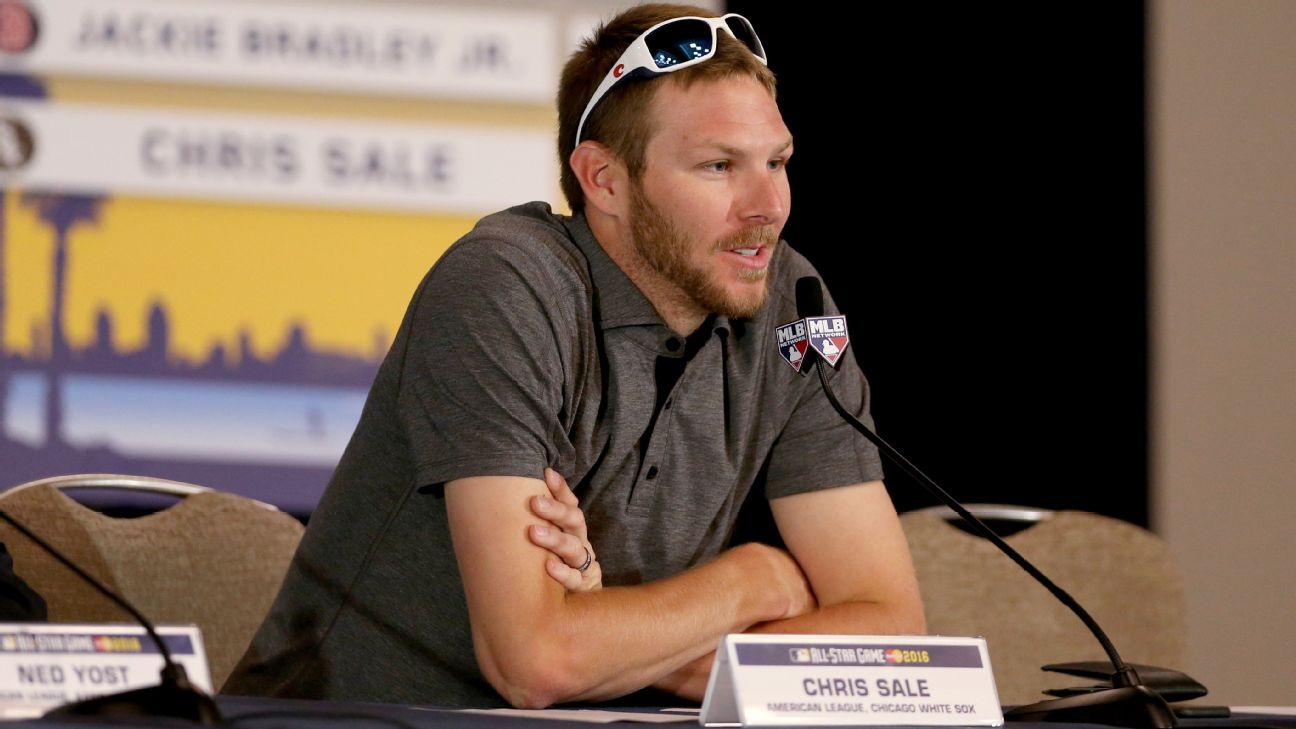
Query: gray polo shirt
526, 346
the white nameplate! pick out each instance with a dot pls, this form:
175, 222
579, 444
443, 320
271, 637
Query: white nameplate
895, 680
272, 159
423, 50
44, 665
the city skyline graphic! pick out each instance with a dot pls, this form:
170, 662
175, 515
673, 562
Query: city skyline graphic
112, 363
224, 344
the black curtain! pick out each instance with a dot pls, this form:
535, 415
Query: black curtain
970, 179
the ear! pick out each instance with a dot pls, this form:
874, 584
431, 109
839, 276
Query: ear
602, 176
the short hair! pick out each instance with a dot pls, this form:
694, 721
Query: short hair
621, 119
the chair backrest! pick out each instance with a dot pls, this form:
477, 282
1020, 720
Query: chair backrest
1122, 574
214, 559
114, 481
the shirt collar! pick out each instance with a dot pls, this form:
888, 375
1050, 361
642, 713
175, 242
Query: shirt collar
616, 299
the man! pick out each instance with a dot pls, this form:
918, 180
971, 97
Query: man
630, 349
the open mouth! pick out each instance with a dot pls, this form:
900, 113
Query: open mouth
756, 256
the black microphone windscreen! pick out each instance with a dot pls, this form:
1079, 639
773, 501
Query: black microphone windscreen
809, 297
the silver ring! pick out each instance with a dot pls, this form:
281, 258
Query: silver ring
589, 560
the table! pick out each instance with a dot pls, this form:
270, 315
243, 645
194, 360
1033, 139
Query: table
262, 713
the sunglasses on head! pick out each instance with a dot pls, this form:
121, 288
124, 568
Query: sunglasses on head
669, 46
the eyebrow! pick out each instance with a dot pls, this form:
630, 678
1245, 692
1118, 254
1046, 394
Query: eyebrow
736, 152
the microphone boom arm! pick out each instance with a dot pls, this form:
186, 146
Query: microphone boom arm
1127, 675
1129, 702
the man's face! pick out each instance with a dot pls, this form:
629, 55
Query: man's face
707, 211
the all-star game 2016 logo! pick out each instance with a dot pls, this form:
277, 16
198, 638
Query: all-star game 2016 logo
117, 644
792, 342
828, 336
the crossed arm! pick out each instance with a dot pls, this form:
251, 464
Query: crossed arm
545, 633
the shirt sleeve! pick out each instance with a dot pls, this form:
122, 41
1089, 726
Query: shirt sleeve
481, 387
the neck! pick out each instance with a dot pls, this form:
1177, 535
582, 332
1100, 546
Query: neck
676, 308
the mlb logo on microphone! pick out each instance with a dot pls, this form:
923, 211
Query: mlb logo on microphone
792, 342
828, 336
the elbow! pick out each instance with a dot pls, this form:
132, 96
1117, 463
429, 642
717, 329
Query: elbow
537, 688
532, 676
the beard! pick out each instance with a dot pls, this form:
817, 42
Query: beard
665, 249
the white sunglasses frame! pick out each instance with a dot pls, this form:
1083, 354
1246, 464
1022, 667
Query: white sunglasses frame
637, 58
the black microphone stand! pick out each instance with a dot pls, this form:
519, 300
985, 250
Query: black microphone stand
1128, 703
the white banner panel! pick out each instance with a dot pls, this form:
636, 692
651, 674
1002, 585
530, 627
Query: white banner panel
429, 51
305, 161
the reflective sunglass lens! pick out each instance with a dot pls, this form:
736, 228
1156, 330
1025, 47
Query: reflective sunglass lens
665, 58
675, 43
742, 30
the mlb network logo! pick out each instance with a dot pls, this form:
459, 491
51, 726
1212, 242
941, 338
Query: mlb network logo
824, 334
792, 343
828, 336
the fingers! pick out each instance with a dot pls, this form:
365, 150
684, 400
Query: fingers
573, 580
560, 507
564, 536
569, 578
558, 488
569, 519
569, 548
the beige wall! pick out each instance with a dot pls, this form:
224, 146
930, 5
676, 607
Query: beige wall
1223, 166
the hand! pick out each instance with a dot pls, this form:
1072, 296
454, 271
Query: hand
787, 584
565, 536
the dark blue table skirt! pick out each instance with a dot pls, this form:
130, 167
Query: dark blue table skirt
261, 713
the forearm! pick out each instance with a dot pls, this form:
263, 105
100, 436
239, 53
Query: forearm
851, 618
653, 629
538, 643
689, 681
598, 645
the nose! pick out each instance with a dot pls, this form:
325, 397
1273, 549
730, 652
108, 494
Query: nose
765, 198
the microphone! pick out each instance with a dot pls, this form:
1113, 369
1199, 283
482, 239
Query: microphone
1129, 702
174, 696
809, 297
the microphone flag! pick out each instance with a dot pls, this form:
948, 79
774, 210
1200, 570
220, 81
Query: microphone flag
792, 342
826, 335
